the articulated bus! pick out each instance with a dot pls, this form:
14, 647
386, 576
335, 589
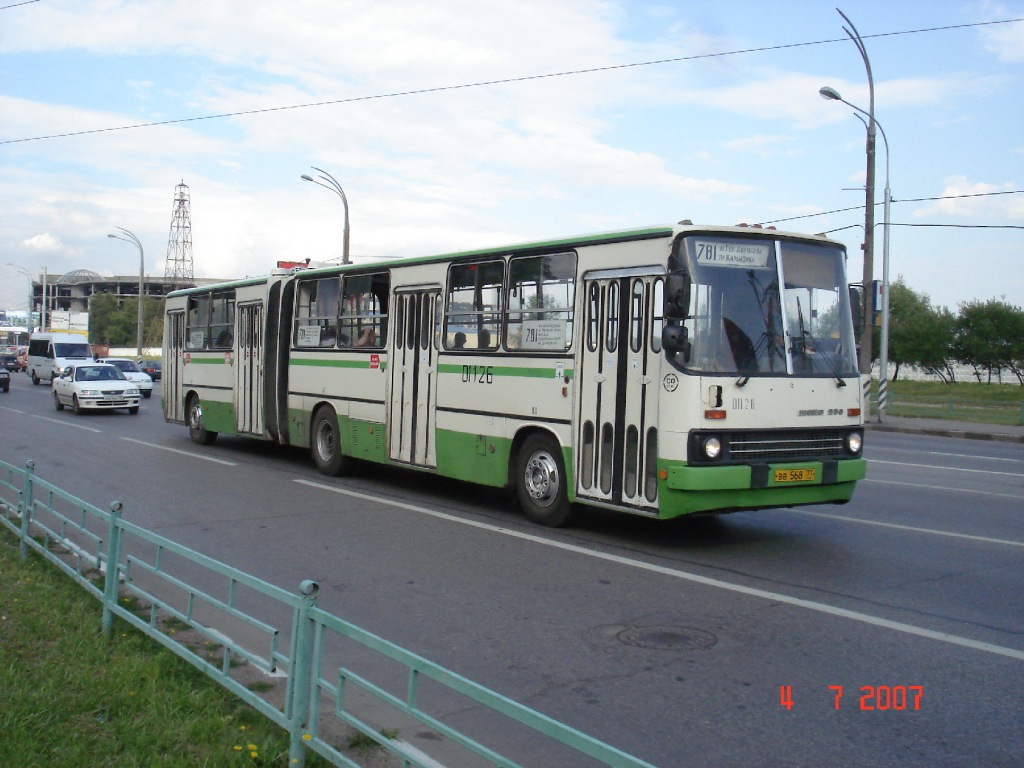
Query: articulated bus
661, 371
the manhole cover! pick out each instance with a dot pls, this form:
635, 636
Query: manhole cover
666, 638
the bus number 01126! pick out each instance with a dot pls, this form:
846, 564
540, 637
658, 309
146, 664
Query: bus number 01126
481, 374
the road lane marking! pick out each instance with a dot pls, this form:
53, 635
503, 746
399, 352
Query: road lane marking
777, 597
949, 469
932, 531
974, 456
65, 423
181, 452
946, 489
12, 410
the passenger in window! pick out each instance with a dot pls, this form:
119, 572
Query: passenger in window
460, 340
368, 338
483, 340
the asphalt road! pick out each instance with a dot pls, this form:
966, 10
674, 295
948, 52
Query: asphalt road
679, 642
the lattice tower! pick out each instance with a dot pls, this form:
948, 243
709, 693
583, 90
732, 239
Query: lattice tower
178, 272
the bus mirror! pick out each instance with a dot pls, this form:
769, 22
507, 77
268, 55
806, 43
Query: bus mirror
674, 338
856, 306
677, 295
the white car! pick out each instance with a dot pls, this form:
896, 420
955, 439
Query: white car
94, 385
132, 372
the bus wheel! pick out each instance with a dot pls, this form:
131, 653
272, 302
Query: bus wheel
196, 430
326, 444
540, 482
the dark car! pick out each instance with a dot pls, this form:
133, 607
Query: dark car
152, 367
5, 380
9, 360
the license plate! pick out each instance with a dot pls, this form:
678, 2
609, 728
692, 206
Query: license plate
794, 475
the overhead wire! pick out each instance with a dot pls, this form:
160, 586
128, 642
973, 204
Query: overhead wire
499, 81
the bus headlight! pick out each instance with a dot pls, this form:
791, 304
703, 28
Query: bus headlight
711, 447
854, 442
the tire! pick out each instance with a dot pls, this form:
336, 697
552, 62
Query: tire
196, 430
57, 403
541, 482
134, 410
325, 444
35, 377
75, 404
147, 394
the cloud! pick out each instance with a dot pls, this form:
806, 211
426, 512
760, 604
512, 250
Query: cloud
967, 200
44, 243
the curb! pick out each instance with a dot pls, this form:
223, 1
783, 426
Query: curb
961, 433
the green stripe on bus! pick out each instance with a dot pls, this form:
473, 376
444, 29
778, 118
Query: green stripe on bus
321, 363
218, 360
499, 370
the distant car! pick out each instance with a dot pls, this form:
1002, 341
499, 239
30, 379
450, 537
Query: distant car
151, 368
5, 379
94, 385
9, 360
132, 372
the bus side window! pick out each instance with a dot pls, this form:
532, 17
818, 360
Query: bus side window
364, 300
474, 305
198, 322
541, 298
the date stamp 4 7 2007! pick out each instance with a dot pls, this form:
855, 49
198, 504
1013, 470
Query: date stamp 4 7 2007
899, 698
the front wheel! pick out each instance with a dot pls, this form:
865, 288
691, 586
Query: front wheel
196, 430
134, 410
540, 482
147, 394
57, 403
326, 445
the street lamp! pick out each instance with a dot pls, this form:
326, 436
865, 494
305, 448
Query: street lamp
333, 185
883, 376
130, 238
864, 356
31, 290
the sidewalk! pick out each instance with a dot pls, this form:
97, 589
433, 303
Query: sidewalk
946, 428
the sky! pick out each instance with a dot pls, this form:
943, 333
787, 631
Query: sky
459, 124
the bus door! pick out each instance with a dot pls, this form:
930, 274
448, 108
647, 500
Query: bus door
617, 441
174, 364
249, 368
413, 362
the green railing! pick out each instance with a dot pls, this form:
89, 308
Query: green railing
232, 625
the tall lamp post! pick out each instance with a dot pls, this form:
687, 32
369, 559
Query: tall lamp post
329, 182
864, 356
31, 291
128, 237
883, 377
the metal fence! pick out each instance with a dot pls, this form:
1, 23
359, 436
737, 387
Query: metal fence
316, 675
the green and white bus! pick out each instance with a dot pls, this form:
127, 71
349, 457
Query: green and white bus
661, 371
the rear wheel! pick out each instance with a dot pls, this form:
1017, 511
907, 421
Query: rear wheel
541, 482
326, 444
196, 430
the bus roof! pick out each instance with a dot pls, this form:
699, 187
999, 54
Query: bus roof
645, 233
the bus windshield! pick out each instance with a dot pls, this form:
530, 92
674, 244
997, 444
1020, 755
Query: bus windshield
741, 322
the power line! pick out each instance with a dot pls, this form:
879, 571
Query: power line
892, 201
15, 5
501, 81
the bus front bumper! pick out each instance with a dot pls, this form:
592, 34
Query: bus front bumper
685, 489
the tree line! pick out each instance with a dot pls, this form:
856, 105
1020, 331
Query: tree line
115, 321
988, 336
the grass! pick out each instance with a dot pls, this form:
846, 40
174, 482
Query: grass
70, 697
966, 401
